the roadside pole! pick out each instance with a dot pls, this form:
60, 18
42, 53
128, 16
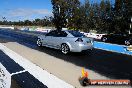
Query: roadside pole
130, 26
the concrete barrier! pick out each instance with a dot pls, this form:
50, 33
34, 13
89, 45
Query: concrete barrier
5, 77
113, 47
7, 27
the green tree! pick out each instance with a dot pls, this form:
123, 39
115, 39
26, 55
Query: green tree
65, 11
121, 16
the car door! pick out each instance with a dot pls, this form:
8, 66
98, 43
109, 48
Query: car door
47, 40
59, 38
114, 38
119, 39
53, 39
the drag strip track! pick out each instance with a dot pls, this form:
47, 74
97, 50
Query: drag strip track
27, 74
18, 36
112, 65
24, 79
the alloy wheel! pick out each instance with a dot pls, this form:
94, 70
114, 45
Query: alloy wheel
104, 39
65, 48
39, 43
127, 42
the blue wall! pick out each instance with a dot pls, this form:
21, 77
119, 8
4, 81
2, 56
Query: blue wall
112, 47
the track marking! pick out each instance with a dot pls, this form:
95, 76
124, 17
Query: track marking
18, 72
43, 76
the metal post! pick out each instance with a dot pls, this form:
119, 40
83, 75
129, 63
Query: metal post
59, 9
130, 25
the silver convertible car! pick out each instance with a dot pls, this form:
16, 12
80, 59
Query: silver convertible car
66, 40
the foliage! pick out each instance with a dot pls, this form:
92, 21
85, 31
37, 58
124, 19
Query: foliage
65, 13
46, 21
102, 17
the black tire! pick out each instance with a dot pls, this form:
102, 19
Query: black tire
127, 42
39, 42
65, 48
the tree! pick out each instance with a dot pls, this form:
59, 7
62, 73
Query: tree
129, 12
86, 17
27, 23
65, 11
122, 15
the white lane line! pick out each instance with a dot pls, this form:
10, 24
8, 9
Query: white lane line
43, 76
18, 72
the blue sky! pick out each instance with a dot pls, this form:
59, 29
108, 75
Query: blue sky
15, 10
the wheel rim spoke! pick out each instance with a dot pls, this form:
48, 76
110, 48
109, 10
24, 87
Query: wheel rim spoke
39, 42
127, 42
64, 48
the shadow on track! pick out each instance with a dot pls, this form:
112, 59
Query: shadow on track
112, 65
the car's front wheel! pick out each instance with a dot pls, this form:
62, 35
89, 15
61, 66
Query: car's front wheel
127, 42
65, 48
39, 42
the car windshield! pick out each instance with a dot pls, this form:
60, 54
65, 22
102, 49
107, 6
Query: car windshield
77, 34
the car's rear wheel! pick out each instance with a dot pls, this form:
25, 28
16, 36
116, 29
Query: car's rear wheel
127, 42
104, 39
65, 48
39, 42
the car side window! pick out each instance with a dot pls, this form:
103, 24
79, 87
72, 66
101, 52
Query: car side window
52, 33
55, 34
61, 34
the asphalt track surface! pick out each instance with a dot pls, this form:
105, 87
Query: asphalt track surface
22, 80
109, 64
